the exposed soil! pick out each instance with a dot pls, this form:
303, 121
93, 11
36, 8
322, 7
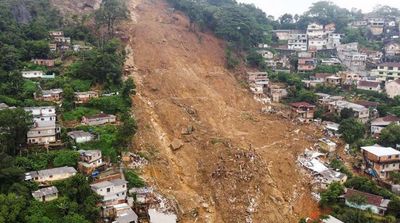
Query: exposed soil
236, 164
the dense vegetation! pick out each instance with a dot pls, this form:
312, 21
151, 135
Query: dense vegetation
24, 35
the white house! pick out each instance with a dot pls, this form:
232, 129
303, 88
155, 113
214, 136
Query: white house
81, 136
369, 85
90, 160
331, 219
112, 192
44, 130
32, 74
46, 194
49, 175
382, 160
392, 88
360, 112
298, 42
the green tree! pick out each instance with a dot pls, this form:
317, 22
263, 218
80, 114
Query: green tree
133, 179
127, 130
66, 158
14, 125
390, 136
11, 207
346, 113
331, 195
111, 12
351, 130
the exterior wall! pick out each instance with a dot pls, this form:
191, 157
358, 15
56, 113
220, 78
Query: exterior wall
83, 139
373, 208
392, 89
297, 42
50, 178
386, 73
32, 74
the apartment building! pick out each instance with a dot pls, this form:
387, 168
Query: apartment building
298, 42
112, 192
387, 71
383, 160
45, 129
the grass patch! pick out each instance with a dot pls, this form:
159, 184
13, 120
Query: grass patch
107, 142
78, 112
133, 179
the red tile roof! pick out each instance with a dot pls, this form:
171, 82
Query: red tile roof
301, 104
322, 75
368, 104
371, 84
389, 118
370, 198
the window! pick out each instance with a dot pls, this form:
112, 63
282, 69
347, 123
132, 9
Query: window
51, 176
108, 189
389, 157
397, 156
123, 193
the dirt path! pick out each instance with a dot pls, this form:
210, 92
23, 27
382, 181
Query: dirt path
237, 165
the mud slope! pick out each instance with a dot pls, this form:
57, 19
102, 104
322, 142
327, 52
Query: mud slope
237, 164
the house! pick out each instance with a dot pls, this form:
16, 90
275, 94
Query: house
334, 80
99, 119
46, 194
32, 74
53, 47
369, 85
302, 111
373, 56
315, 31
53, 95
53, 34
377, 125
350, 78
81, 136
392, 49
351, 57
85, 97
62, 40
376, 25
50, 175
317, 43
44, 62
284, 34
392, 88
331, 128
44, 130
387, 71
112, 192
330, 61
90, 160
277, 92
321, 76
360, 112
333, 40
298, 42
327, 145
377, 204
358, 23
306, 64
382, 160
258, 78
124, 214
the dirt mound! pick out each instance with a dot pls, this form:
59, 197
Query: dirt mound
232, 164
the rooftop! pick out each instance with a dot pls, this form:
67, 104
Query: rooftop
54, 171
45, 191
379, 150
371, 84
302, 104
101, 115
79, 134
386, 119
104, 184
370, 198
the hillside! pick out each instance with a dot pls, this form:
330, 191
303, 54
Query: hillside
236, 165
